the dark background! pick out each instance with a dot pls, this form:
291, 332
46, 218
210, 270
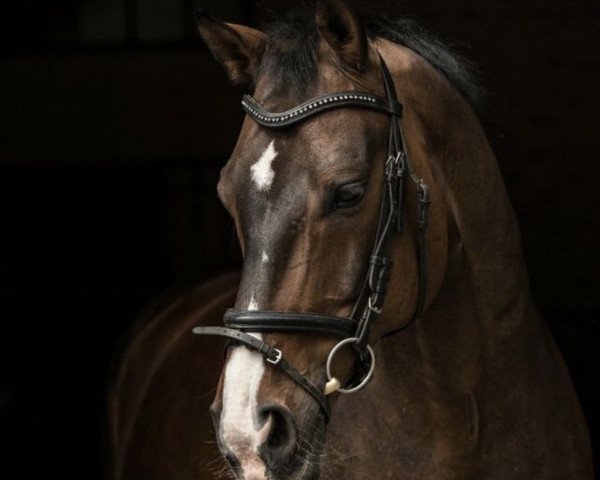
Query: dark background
114, 124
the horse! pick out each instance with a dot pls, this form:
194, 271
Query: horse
361, 174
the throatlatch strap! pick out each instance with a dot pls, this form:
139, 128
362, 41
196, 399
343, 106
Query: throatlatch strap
272, 355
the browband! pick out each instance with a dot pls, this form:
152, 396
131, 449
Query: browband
317, 105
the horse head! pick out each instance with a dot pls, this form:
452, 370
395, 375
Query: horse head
318, 205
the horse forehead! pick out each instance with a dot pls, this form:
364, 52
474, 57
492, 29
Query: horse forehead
272, 189
276, 174
335, 140
260, 159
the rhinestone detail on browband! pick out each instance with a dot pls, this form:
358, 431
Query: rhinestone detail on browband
316, 105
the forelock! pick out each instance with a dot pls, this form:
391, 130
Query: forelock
290, 58
291, 55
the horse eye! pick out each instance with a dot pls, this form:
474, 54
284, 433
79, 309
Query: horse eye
348, 195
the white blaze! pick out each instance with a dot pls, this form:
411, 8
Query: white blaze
252, 305
262, 171
239, 421
265, 257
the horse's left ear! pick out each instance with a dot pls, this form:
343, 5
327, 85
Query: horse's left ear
341, 29
237, 48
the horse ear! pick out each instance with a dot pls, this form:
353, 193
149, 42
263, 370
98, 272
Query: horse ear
237, 48
340, 28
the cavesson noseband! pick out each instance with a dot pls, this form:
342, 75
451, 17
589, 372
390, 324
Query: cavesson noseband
356, 329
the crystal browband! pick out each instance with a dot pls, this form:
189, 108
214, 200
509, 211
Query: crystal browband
317, 105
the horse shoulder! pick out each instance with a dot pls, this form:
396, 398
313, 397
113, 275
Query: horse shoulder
159, 396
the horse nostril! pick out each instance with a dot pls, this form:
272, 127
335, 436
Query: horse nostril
281, 440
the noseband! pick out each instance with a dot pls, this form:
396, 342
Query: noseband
356, 329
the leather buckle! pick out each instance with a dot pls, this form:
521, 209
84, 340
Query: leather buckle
373, 308
277, 358
400, 162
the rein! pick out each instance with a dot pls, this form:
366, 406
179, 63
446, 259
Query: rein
355, 330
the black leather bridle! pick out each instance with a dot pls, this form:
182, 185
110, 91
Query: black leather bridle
356, 329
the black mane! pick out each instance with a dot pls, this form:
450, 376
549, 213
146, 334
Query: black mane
291, 56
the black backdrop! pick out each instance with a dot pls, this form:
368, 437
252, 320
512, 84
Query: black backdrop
115, 122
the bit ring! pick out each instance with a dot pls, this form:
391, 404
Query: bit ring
367, 377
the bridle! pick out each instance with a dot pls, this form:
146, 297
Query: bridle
356, 329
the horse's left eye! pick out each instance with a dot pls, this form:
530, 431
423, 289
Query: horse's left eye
348, 195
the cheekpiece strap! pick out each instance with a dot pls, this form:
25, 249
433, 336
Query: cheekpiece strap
317, 105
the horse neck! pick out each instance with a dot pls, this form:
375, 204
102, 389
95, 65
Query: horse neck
482, 294
485, 261
484, 290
